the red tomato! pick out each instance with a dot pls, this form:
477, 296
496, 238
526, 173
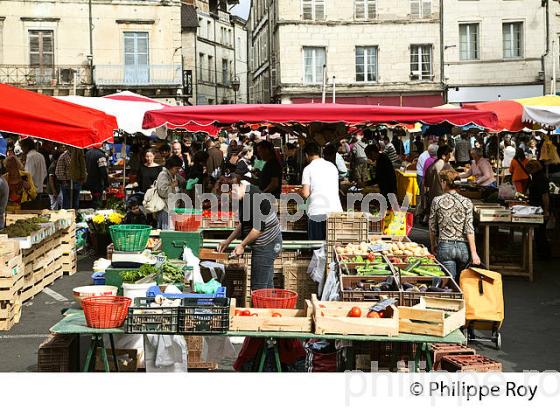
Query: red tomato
245, 313
276, 314
371, 257
382, 314
355, 312
322, 306
373, 315
237, 312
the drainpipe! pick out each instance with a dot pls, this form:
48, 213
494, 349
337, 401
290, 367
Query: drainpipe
442, 52
215, 64
545, 3
90, 57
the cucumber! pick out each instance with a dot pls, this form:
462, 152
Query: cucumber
411, 266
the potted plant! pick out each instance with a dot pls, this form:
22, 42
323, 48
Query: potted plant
99, 230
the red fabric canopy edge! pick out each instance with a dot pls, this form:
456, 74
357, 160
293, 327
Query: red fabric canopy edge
510, 114
308, 113
41, 116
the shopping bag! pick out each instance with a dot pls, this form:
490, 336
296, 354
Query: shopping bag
484, 299
398, 223
506, 191
153, 203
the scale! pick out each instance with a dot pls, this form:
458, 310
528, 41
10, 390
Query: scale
132, 259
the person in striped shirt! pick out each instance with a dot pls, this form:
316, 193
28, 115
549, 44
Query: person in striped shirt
390, 151
258, 227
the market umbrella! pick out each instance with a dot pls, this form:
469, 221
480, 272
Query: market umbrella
349, 114
510, 112
129, 113
40, 116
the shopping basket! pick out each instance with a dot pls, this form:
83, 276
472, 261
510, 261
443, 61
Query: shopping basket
484, 303
274, 299
130, 238
187, 219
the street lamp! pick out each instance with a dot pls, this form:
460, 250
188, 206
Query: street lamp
235, 84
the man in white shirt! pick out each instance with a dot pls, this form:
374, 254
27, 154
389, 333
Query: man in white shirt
320, 188
420, 165
35, 163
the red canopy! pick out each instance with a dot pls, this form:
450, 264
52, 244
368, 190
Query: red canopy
509, 114
36, 115
307, 113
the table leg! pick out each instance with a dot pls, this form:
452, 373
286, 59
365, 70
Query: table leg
104, 354
429, 364
530, 235
115, 361
277, 358
264, 352
417, 357
487, 246
90, 354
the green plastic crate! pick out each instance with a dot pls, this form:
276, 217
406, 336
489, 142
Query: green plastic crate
113, 278
173, 243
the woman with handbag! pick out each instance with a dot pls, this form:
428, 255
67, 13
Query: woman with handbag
166, 184
519, 175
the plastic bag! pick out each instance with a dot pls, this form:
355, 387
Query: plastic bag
194, 263
506, 191
331, 290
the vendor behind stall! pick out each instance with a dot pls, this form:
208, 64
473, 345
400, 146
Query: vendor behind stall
320, 188
481, 169
385, 175
22, 189
258, 227
539, 195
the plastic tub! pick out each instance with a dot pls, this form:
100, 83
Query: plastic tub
136, 290
83, 292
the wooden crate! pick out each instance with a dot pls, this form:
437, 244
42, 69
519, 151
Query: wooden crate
529, 219
10, 314
441, 350
432, 316
332, 318
500, 214
10, 287
59, 353
298, 280
291, 320
126, 358
470, 363
347, 227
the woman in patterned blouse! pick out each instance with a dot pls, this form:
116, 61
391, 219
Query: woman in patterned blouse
451, 227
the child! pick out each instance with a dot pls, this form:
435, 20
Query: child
135, 216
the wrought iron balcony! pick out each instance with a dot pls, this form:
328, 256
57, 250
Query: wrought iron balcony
138, 75
45, 76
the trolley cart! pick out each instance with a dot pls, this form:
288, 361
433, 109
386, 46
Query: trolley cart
484, 304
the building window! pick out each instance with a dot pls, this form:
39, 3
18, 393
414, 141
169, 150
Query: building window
314, 60
366, 64
225, 71
136, 66
513, 40
209, 30
421, 62
41, 48
468, 41
313, 9
420, 8
211, 69
365, 9
201, 66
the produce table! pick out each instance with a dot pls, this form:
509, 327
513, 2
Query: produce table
407, 184
525, 269
74, 322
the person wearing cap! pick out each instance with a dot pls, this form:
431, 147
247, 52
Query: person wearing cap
97, 176
539, 195
481, 169
429, 153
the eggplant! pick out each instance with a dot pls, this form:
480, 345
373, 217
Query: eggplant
436, 289
422, 288
407, 286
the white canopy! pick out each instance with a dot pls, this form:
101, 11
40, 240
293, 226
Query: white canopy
544, 115
129, 114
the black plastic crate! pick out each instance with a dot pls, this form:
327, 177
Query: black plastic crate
410, 299
143, 319
204, 315
350, 291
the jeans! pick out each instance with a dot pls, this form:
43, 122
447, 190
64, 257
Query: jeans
262, 264
70, 195
420, 180
56, 201
317, 230
454, 255
162, 220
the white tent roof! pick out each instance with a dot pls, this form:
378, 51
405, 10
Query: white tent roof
129, 114
547, 116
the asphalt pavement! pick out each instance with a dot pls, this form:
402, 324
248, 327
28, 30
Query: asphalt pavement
530, 332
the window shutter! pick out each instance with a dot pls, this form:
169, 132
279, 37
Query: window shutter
307, 9
359, 9
415, 8
371, 9
34, 52
427, 9
319, 9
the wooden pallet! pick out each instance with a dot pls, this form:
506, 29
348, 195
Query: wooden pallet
10, 314
470, 363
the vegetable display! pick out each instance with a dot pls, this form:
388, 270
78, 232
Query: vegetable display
172, 273
24, 227
133, 276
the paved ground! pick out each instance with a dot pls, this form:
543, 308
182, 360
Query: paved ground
531, 333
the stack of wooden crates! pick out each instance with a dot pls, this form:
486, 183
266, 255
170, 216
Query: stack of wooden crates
344, 228
26, 272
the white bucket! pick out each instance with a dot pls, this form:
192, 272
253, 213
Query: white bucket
136, 290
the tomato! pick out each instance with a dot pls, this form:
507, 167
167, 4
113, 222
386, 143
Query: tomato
237, 312
245, 313
373, 315
322, 306
371, 257
276, 314
355, 312
382, 314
